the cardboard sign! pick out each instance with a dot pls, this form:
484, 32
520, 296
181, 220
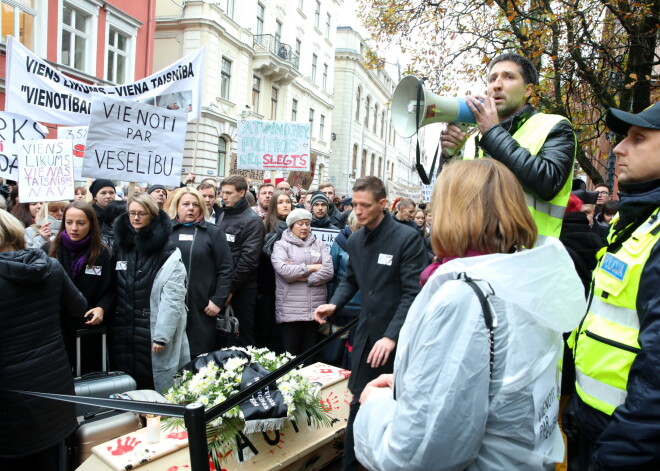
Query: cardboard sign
45, 170
271, 145
13, 128
134, 142
327, 236
36, 89
78, 136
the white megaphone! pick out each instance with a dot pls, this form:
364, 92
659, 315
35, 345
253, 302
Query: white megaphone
432, 108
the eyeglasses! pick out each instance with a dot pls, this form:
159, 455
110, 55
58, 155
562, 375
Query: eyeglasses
603, 192
138, 215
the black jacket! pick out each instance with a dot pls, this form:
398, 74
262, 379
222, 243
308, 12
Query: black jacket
544, 174
630, 438
337, 218
208, 262
35, 293
245, 234
325, 223
139, 256
582, 244
385, 265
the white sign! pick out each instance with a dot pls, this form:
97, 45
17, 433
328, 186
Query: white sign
14, 127
327, 236
78, 136
404, 191
272, 145
134, 142
45, 170
36, 89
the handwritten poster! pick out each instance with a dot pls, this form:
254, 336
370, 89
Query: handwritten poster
273, 145
78, 136
134, 142
45, 170
15, 127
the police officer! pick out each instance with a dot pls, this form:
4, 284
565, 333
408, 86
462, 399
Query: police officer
538, 148
617, 345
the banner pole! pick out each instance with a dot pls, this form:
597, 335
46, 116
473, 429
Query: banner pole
131, 190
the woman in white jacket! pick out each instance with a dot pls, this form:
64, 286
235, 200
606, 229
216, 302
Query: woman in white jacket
446, 407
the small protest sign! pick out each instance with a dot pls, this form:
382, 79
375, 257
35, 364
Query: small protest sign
45, 170
327, 236
78, 136
15, 127
272, 145
134, 142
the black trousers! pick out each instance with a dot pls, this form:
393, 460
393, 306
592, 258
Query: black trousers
47, 459
244, 302
298, 337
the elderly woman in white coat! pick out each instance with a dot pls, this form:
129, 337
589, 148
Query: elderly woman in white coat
466, 393
303, 266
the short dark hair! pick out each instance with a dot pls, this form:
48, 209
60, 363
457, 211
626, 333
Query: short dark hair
206, 186
239, 182
609, 189
405, 202
373, 184
527, 69
264, 185
610, 207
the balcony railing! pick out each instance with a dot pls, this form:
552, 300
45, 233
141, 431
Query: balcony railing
270, 43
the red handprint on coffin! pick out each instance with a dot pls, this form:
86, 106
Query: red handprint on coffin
178, 435
122, 448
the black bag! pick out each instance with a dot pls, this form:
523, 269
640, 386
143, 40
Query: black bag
227, 323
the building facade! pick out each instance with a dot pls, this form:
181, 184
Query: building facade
364, 140
264, 60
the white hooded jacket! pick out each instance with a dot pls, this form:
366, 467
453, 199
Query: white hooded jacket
448, 413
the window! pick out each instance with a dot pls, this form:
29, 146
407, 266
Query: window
225, 78
321, 127
300, 5
314, 61
311, 121
117, 69
230, 14
298, 46
278, 33
375, 119
274, 93
373, 161
75, 37
18, 20
294, 110
260, 18
256, 91
358, 99
382, 124
364, 163
325, 77
317, 14
327, 25
367, 105
380, 166
354, 167
222, 156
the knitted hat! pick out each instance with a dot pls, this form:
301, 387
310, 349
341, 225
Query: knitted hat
319, 196
298, 215
96, 186
347, 201
154, 188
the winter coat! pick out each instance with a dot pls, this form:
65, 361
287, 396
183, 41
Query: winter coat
337, 218
339, 255
325, 223
384, 264
33, 239
139, 257
581, 243
629, 438
297, 300
36, 292
208, 262
449, 414
542, 175
244, 231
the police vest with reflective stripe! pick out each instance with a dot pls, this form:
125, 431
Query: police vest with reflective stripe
606, 342
548, 215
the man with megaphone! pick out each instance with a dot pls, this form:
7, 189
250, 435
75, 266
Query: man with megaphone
538, 148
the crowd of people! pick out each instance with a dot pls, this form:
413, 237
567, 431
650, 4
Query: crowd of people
510, 323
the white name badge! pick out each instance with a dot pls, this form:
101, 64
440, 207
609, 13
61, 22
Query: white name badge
93, 271
385, 259
121, 265
186, 237
231, 238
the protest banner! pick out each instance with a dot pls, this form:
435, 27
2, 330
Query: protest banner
135, 142
404, 191
327, 236
78, 136
13, 128
36, 89
273, 145
45, 170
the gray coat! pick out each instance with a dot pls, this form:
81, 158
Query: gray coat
296, 300
168, 321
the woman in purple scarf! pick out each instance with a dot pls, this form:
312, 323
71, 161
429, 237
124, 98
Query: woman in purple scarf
87, 261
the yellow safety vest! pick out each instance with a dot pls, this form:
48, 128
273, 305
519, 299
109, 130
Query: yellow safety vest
606, 342
548, 215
